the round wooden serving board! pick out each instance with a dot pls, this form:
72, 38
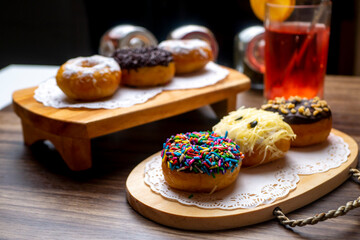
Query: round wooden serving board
174, 214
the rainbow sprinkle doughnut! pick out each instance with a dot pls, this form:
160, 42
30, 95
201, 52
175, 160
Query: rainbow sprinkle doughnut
201, 152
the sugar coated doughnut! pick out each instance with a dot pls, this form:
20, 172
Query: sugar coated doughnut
262, 136
190, 55
145, 67
89, 78
200, 161
310, 119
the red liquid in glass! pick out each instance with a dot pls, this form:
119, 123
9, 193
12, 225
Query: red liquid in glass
295, 60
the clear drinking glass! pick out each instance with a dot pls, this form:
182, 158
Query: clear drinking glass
296, 49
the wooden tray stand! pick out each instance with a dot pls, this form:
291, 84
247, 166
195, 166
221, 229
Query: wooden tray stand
174, 214
71, 130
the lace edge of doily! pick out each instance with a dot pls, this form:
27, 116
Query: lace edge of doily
221, 73
345, 159
287, 188
266, 201
39, 96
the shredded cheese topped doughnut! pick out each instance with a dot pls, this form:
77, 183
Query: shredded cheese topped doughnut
250, 127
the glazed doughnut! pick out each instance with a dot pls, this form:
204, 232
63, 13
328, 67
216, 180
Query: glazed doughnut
200, 161
89, 78
190, 55
310, 120
196, 32
262, 136
145, 67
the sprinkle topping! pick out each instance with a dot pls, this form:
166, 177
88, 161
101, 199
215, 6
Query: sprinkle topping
201, 152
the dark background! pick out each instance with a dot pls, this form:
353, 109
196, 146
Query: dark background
51, 32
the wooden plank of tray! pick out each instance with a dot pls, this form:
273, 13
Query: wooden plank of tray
174, 214
71, 129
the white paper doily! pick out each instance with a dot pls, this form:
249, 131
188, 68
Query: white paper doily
50, 94
259, 185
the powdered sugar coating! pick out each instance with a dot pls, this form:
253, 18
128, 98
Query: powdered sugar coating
185, 46
94, 63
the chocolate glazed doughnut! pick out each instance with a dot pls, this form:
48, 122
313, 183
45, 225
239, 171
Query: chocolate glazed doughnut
145, 67
310, 119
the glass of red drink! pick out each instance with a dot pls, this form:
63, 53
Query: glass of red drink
296, 49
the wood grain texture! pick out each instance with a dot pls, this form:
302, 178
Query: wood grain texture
173, 214
70, 130
90, 123
40, 198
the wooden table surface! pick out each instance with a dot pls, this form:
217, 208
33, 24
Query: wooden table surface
41, 199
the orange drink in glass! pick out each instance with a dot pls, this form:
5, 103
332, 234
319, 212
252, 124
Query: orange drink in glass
296, 49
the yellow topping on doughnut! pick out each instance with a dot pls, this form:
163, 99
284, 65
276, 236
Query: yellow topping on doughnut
269, 129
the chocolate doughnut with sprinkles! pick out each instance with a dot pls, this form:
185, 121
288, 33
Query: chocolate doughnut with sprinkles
310, 119
200, 161
145, 67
